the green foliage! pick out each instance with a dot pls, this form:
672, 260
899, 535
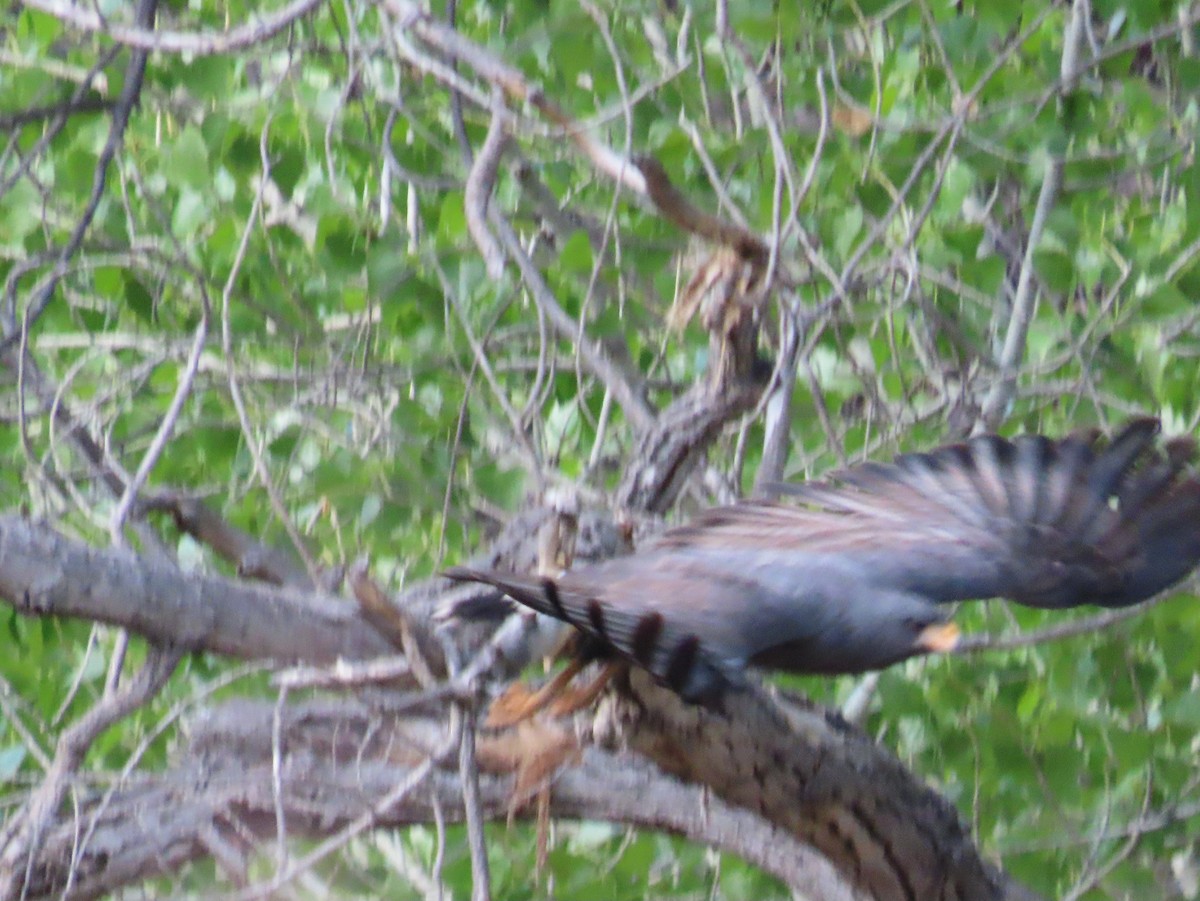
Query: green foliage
356, 297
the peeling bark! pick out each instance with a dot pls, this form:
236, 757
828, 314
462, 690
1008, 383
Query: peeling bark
43, 573
805, 770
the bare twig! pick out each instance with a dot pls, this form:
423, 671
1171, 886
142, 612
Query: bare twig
360, 824
235, 391
166, 427
435, 34
481, 181
591, 353
995, 406
777, 429
1082, 626
89, 19
21, 837
68, 107
462, 723
481, 361
135, 72
250, 557
419, 647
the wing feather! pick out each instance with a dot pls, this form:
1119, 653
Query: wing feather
1045, 523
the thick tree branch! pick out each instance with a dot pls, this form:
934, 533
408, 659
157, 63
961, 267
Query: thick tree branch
668, 453
826, 784
806, 771
221, 788
43, 573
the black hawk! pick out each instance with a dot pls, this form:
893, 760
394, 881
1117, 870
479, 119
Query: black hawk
852, 575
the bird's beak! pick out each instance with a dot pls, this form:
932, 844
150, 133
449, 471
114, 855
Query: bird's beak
939, 638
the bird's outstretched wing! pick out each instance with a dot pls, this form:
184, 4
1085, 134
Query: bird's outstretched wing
1045, 523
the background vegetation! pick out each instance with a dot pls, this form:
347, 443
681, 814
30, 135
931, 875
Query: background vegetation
256, 284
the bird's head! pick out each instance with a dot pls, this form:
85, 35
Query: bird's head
864, 633
892, 629
938, 637
916, 628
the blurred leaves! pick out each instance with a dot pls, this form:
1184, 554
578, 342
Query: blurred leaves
340, 165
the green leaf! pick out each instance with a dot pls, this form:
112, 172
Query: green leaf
371, 506
11, 758
191, 212
576, 254
186, 162
137, 298
452, 218
20, 216
1056, 268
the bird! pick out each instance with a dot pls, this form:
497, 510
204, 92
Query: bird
856, 572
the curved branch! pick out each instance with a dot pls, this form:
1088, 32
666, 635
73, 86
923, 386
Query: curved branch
591, 353
807, 771
477, 193
21, 839
668, 452
802, 770
249, 556
198, 43
153, 827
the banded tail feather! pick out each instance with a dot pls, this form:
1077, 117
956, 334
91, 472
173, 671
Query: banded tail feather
675, 659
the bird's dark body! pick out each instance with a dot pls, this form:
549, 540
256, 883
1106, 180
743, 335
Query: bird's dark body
847, 578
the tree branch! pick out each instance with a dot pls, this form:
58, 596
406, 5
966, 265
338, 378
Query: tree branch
808, 772
21, 840
43, 573
198, 43
150, 828
995, 407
